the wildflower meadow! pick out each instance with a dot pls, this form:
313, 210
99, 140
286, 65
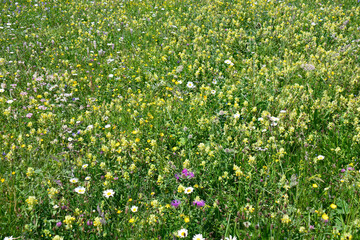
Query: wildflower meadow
169, 119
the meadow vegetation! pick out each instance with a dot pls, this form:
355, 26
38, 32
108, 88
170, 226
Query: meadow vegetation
168, 119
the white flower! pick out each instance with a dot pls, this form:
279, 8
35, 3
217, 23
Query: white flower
87, 178
189, 190
213, 92
182, 233
228, 62
214, 81
2, 90
80, 190
8, 238
107, 126
74, 180
198, 237
85, 166
283, 111
320, 157
111, 75
55, 206
9, 101
274, 119
70, 139
134, 208
190, 85
230, 238
260, 119
108, 193
236, 115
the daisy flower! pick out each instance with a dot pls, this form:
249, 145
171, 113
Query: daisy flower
134, 208
189, 190
228, 62
182, 233
80, 190
74, 180
8, 238
198, 237
320, 157
190, 85
108, 193
230, 238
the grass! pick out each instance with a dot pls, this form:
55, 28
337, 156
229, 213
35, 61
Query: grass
222, 118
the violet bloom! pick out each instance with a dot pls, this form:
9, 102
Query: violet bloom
89, 223
175, 203
199, 203
190, 175
177, 176
311, 227
58, 224
343, 170
187, 173
29, 115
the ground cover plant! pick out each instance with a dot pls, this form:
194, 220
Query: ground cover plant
154, 119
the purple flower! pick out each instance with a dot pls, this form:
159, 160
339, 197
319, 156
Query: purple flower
177, 176
343, 170
89, 223
175, 203
187, 173
199, 203
29, 115
311, 227
58, 224
350, 169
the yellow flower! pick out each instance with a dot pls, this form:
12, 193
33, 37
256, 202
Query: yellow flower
187, 219
285, 219
181, 188
333, 206
131, 220
315, 185
97, 222
325, 217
